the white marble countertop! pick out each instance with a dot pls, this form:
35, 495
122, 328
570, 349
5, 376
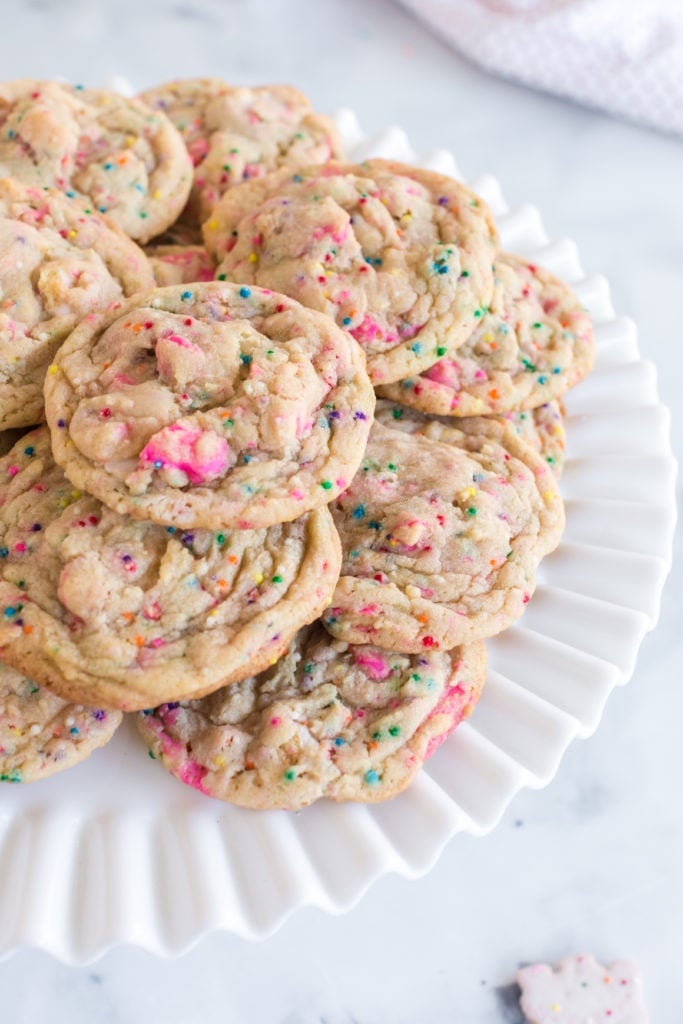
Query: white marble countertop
595, 861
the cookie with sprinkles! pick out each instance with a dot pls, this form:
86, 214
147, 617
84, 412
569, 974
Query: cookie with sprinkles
179, 264
59, 261
442, 531
235, 133
210, 405
543, 429
580, 989
399, 256
533, 344
110, 611
328, 720
128, 159
41, 734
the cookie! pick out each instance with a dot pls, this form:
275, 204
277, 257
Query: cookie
179, 264
41, 734
582, 990
126, 158
543, 429
533, 344
109, 611
210, 405
234, 133
442, 532
399, 256
60, 261
328, 720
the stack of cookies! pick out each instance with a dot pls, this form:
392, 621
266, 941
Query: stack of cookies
219, 526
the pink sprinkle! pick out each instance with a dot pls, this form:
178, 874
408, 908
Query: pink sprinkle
275, 721
298, 495
157, 642
12, 470
369, 609
20, 547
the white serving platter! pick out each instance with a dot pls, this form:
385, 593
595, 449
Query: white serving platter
115, 851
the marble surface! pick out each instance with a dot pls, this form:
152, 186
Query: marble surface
593, 862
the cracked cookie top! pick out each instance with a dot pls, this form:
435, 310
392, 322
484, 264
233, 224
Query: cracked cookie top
41, 734
399, 256
60, 260
210, 405
126, 158
328, 720
236, 133
533, 344
442, 531
107, 610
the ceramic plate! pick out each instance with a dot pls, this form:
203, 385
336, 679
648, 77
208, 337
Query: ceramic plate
117, 851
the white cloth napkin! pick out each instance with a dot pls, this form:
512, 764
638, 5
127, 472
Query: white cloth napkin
624, 56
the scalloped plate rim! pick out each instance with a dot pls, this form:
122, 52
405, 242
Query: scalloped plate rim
70, 951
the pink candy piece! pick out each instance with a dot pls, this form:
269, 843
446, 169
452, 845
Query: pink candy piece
178, 339
192, 774
374, 665
198, 150
253, 171
444, 372
408, 331
170, 717
370, 609
452, 704
201, 455
367, 330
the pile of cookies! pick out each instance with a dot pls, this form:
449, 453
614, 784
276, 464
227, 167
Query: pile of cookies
298, 456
